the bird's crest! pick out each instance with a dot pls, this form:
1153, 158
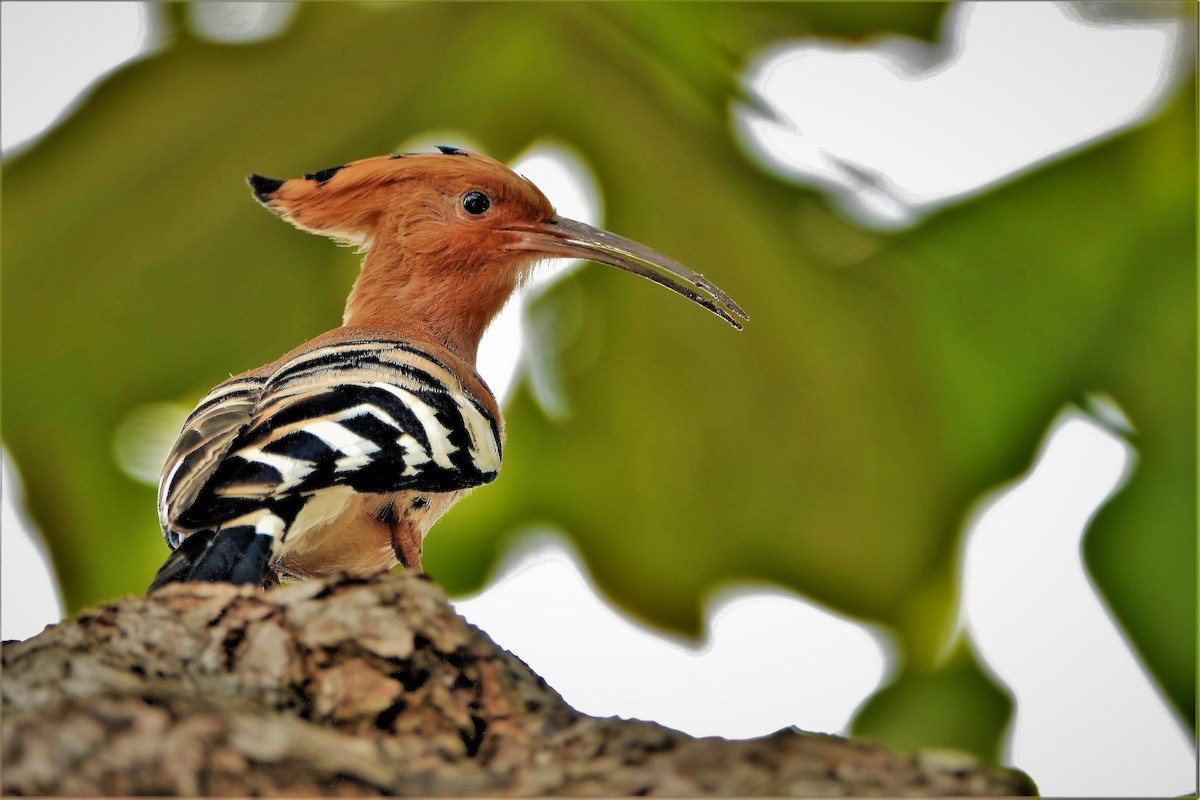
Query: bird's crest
347, 202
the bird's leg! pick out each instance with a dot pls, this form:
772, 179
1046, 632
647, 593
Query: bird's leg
406, 538
406, 543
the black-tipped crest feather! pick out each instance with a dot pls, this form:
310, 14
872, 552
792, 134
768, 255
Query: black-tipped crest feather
263, 187
321, 176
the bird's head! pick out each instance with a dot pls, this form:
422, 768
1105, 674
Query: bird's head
455, 230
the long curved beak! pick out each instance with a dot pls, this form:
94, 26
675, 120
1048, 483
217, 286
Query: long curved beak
567, 238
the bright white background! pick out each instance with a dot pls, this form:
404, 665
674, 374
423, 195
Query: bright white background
1088, 721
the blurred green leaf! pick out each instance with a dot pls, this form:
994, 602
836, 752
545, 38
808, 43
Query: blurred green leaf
1082, 279
873, 20
1142, 545
955, 708
883, 384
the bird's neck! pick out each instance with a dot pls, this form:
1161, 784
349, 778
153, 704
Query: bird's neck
454, 304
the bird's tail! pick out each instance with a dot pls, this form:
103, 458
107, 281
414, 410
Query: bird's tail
234, 555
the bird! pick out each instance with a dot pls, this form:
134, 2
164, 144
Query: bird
339, 456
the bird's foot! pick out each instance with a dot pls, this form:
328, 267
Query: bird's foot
406, 544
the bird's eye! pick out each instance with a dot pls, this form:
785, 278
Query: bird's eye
476, 202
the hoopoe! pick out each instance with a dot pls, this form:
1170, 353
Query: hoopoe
339, 456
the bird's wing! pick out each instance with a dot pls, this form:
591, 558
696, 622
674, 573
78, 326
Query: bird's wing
206, 437
375, 416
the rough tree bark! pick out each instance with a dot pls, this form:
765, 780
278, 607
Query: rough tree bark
353, 687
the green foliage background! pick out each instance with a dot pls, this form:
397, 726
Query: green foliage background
885, 381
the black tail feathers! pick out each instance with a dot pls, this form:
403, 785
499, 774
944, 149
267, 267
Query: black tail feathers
235, 555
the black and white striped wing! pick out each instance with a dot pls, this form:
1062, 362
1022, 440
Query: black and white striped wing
374, 416
207, 435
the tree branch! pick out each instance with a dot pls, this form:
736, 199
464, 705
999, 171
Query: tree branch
341, 686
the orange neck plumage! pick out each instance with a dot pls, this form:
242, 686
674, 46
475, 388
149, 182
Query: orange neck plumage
398, 289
